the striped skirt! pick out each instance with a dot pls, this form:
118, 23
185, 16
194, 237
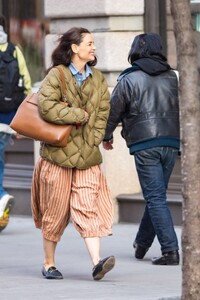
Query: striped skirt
59, 194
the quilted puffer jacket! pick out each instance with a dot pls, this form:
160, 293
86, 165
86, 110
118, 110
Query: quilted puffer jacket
82, 150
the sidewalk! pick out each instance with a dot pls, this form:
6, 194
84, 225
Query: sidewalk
21, 256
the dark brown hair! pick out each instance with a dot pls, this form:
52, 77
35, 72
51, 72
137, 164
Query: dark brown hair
63, 52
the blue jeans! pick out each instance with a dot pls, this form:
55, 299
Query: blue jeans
154, 167
4, 140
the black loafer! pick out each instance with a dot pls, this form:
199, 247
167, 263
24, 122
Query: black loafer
167, 258
104, 266
51, 273
139, 251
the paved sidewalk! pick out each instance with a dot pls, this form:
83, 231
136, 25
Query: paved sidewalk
22, 255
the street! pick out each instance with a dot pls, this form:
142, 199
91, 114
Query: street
22, 256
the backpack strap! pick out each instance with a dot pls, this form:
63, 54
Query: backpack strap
11, 48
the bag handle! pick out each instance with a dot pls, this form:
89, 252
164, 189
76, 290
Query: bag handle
64, 87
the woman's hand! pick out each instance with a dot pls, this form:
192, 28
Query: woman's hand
86, 118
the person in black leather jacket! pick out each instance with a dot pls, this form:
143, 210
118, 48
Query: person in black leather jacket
145, 100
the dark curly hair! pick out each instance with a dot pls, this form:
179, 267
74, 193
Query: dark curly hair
63, 52
146, 45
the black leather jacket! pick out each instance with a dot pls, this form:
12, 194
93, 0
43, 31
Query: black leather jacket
147, 106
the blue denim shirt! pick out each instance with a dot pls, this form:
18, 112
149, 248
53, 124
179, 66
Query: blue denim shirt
79, 76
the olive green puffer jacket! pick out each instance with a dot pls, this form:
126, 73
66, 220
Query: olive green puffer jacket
82, 150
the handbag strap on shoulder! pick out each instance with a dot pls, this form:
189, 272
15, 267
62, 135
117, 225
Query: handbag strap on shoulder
64, 87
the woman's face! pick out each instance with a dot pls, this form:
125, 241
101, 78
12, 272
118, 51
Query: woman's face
85, 51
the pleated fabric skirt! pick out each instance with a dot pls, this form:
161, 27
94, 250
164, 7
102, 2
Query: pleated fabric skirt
60, 194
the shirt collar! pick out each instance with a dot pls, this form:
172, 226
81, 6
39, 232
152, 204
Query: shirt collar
74, 70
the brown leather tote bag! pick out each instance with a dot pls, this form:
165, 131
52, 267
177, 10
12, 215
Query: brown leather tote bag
28, 122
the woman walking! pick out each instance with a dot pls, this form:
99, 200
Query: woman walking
68, 182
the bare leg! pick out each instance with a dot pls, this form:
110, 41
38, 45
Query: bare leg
101, 267
93, 246
49, 253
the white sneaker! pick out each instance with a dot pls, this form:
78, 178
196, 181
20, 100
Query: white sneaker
6, 203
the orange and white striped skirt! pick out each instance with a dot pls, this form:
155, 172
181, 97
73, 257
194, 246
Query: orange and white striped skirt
59, 194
